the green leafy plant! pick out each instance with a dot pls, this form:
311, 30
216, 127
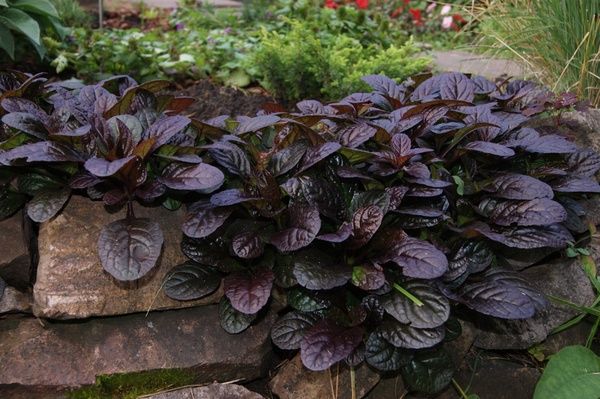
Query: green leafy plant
574, 372
72, 14
27, 19
533, 31
303, 64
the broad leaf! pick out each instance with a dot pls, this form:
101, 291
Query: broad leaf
418, 259
203, 221
573, 372
429, 371
46, 204
305, 223
384, 356
519, 187
326, 344
248, 293
432, 311
406, 336
190, 281
130, 248
233, 321
202, 177
501, 294
316, 271
537, 212
288, 332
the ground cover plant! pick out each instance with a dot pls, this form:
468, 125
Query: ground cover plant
375, 218
533, 32
115, 141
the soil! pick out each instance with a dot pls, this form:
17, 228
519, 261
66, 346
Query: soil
214, 100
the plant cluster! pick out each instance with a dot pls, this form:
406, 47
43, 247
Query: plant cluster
534, 32
27, 19
116, 141
345, 44
298, 64
371, 217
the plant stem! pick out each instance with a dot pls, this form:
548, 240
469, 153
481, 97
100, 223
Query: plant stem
462, 393
407, 294
353, 381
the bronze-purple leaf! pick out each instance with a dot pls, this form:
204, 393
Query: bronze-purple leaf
305, 225
519, 187
203, 221
318, 153
327, 343
247, 245
248, 293
202, 177
130, 248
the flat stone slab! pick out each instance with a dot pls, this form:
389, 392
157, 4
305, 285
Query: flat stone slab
294, 381
71, 282
67, 355
212, 391
12, 239
465, 62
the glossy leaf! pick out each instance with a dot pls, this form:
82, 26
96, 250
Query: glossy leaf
288, 332
325, 344
190, 281
249, 293
233, 321
46, 204
202, 177
384, 356
432, 311
130, 248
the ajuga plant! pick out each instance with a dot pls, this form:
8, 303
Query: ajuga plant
116, 141
372, 218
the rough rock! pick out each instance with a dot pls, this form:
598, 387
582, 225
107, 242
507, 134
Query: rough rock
388, 388
15, 263
71, 282
564, 279
15, 301
294, 381
584, 127
495, 378
71, 354
213, 391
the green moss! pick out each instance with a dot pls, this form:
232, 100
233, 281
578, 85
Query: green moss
132, 385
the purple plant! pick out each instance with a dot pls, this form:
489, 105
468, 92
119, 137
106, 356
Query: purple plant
373, 215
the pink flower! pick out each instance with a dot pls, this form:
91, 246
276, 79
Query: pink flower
446, 9
430, 8
447, 22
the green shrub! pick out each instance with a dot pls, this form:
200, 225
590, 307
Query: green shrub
558, 40
26, 19
300, 64
71, 13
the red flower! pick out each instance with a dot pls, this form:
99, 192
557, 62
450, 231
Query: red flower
406, 2
363, 4
331, 4
416, 16
458, 18
397, 12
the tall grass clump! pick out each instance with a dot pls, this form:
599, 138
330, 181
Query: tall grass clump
559, 40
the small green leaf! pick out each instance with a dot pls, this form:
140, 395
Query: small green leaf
460, 185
